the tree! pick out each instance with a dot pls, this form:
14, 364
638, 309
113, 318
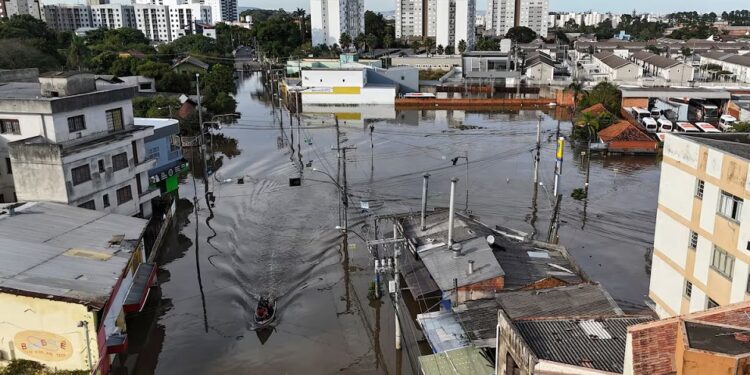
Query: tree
345, 41
605, 93
686, 51
155, 106
174, 82
152, 69
387, 41
741, 127
371, 41
450, 50
77, 53
360, 42
578, 90
521, 34
462, 46
440, 49
654, 49
416, 45
300, 17
375, 24
429, 44
122, 67
277, 35
222, 103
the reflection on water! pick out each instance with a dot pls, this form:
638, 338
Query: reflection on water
265, 237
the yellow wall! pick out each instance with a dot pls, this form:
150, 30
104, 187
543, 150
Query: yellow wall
339, 90
703, 363
46, 331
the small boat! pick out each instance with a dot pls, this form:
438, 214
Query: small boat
265, 312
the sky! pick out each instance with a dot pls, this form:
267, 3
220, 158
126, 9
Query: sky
618, 6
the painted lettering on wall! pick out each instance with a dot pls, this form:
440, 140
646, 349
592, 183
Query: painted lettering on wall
43, 346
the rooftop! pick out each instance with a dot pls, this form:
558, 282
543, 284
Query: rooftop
717, 339
479, 318
674, 92
597, 344
463, 361
611, 60
655, 60
78, 257
732, 143
32, 90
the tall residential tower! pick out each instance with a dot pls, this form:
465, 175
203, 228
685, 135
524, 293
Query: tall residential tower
455, 22
331, 18
502, 15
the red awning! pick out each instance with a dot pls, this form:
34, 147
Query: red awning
117, 343
138, 292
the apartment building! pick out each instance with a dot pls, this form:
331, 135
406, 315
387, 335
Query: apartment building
659, 66
65, 141
67, 17
113, 16
331, 18
415, 19
226, 10
19, 7
702, 233
182, 18
455, 22
739, 65
503, 15
153, 21
607, 66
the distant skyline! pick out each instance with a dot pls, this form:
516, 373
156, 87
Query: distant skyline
641, 6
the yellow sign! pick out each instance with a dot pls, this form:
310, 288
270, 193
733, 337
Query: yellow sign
560, 147
44, 346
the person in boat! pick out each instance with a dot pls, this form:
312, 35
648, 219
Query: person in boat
264, 308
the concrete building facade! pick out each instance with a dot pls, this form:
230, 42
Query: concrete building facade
502, 15
153, 21
331, 18
702, 232
344, 86
113, 16
669, 69
182, 18
67, 17
455, 22
20, 7
65, 141
739, 65
610, 67
415, 19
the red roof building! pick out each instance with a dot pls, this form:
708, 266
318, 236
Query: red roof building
624, 137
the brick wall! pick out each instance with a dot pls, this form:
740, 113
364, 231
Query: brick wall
653, 349
635, 102
547, 282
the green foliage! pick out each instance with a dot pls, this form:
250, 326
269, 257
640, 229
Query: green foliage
278, 35
174, 82
26, 367
578, 194
123, 66
431, 75
693, 25
605, 93
221, 103
440, 49
640, 28
377, 26
198, 45
521, 34
345, 41
462, 46
449, 50
742, 127
653, 49
487, 44
29, 43
154, 106
22, 53
737, 17
152, 69
216, 86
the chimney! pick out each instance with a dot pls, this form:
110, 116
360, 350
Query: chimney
424, 200
471, 267
451, 211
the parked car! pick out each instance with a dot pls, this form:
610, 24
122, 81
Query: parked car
650, 124
726, 123
665, 125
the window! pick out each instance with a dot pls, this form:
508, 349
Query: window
81, 174
730, 206
711, 304
10, 127
105, 200
124, 195
76, 123
722, 262
699, 186
88, 205
8, 166
688, 289
693, 240
101, 166
120, 161
114, 119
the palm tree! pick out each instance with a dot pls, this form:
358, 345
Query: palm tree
387, 42
371, 40
77, 53
345, 41
462, 46
301, 15
578, 90
360, 42
429, 43
416, 45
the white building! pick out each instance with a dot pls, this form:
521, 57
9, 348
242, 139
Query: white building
659, 66
331, 18
222, 10
19, 7
739, 65
113, 16
455, 22
700, 257
67, 17
415, 18
65, 141
153, 21
502, 15
182, 18
346, 85
610, 67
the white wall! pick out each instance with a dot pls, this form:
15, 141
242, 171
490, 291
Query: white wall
698, 299
714, 162
739, 281
666, 284
334, 78
443, 30
703, 253
676, 190
95, 117
681, 150
671, 238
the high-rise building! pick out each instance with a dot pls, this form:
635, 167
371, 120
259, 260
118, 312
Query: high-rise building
702, 235
415, 19
331, 18
19, 7
182, 18
113, 16
153, 21
66, 17
502, 15
455, 22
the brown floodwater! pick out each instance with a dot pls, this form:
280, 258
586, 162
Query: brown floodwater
263, 237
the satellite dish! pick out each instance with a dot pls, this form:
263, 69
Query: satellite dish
491, 240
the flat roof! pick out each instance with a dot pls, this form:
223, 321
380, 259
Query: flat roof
32, 90
674, 92
592, 343
56, 251
717, 339
463, 361
737, 144
156, 123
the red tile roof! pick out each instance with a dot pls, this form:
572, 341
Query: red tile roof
626, 137
597, 109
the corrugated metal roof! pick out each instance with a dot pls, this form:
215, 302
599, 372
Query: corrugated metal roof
612, 60
479, 318
56, 250
463, 361
566, 341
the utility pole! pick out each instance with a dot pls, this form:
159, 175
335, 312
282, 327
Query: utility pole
538, 150
588, 162
396, 282
558, 165
345, 188
202, 130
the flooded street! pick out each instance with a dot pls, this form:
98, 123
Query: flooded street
264, 237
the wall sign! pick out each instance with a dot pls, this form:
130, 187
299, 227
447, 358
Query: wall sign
43, 346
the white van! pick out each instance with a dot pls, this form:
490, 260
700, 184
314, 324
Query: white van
706, 127
640, 113
650, 124
726, 123
665, 125
686, 127
656, 113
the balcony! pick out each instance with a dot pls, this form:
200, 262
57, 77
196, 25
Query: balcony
149, 194
145, 165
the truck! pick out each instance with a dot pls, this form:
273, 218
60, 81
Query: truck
700, 110
672, 109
